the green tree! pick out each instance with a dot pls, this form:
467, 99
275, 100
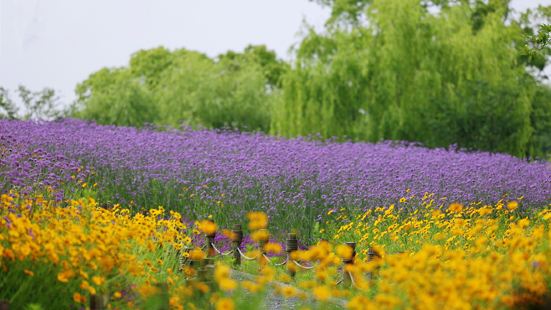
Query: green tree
437, 72
234, 90
325, 93
230, 93
8, 109
37, 105
150, 65
114, 96
540, 143
272, 67
535, 48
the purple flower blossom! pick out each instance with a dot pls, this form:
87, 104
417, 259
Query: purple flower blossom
239, 172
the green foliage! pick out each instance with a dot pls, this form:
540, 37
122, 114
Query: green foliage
271, 67
405, 72
114, 96
150, 65
347, 11
37, 105
229, 93
535, 47
324, 95
234, 91
440, 72
540, 144
21, 290
7, 106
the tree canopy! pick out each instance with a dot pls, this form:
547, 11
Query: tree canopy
233, 90
468, 73
436, 72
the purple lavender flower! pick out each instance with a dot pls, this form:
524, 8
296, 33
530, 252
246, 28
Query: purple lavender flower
230, 173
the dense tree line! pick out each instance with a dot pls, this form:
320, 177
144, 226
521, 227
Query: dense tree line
234, 90
439, 72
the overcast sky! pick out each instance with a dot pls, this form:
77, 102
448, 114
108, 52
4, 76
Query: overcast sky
58, 43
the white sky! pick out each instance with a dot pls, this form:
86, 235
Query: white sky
58, 43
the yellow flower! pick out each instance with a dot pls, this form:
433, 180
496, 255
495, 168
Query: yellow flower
260, 235
175, 302
189, 271
229, 234
64, 276
197, 254
292, 267
455, 207
98, 280
344, 251
225, 304
92, 290
271, 247
221, 272
321, 293
208, 227
250, 286
227, 284
512, 205
523, 223
288, 291
257, 220
222, 277
485, 210
202, 287
147, 290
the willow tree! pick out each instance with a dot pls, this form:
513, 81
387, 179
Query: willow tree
325, 91
438, 72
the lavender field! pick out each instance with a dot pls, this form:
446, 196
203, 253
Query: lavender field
228, 174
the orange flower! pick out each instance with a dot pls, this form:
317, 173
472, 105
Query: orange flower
271, 247
78, 298
344, 251
98, 280
208, 227
322, 293
65, 275
197, 254
288, 291
257, 220
260, 235
225, 304
455, 207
